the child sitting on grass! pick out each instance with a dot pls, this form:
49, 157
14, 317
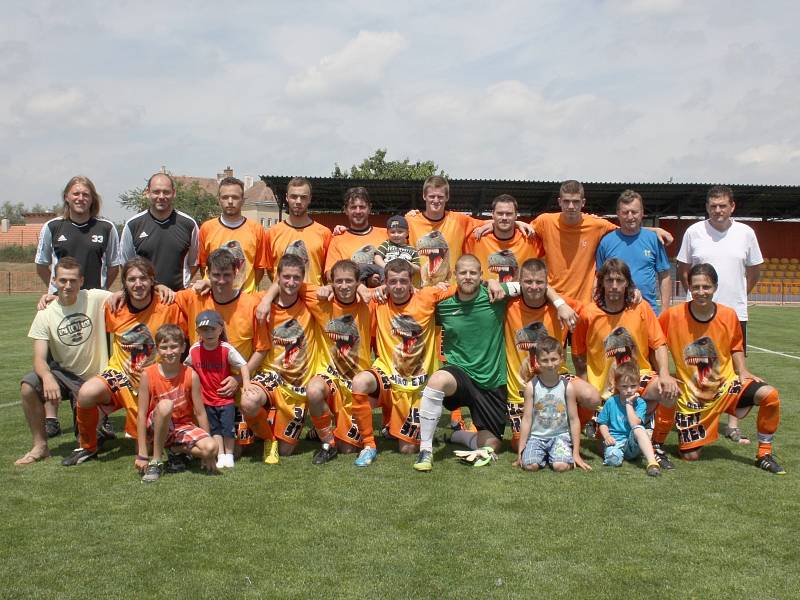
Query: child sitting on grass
550, 426
620, 422
169, 396
213, 359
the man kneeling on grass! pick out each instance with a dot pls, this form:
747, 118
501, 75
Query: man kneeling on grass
550, 425
169, 396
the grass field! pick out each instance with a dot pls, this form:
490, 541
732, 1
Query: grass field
719, 528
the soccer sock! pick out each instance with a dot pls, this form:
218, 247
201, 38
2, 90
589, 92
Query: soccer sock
665, 418
259, 423
585, 415
430, 409
88, 418
455, 416
466, 438
767, 420
324, 428
362, 414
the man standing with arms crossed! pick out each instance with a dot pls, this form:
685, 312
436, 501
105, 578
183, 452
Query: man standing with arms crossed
732, 249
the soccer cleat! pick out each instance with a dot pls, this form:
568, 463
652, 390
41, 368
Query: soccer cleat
424, 462
155, 469
177, 462
662, 459
653, 470
366, 457
590, 429
105, 431
386, 434
768, 463
271, 455
79, 456
52, 427
325, 454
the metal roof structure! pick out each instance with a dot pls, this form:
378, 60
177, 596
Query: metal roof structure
766, 202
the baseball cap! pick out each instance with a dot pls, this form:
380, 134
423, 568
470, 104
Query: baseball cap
208, 318
397, 221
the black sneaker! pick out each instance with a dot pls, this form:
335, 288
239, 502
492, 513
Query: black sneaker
662, 459
768, 463
52, 427
325, 454
177, 462
590, 429
78, 456
105, 431
153, 472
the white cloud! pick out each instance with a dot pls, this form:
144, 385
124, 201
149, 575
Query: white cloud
356, 67
769, 155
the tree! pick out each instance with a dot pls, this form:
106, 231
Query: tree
13, 212
377, 167
191, 199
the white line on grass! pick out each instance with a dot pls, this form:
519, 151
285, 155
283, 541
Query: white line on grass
773, 352
10, 404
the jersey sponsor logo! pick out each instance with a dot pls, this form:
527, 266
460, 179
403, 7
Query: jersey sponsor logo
648, 253
292, 338
75, 329
62, 238
343, 332
409, 382
525, 339
407, 355
143, 235
364, 255
139, 343
116, 380
690, 428
504, 264
433, 246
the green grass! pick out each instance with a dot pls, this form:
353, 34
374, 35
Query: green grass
719, 528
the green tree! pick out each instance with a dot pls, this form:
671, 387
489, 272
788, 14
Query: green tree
38, 208
191, 199
13, 212
377, 167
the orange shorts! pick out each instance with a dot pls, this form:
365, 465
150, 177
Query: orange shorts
401, 407
701, 427
123, 396
181, 434
290, 414
340, 401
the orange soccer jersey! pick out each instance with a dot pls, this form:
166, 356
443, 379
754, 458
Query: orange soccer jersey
524, 327
439, 243
357, 246
177, 389
570, 252
702, 353
502, 259
239, 315
133, 337
309, 243
609, 339
247, 242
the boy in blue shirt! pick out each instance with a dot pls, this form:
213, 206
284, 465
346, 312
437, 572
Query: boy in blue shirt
620, 422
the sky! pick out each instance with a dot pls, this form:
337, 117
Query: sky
617, 90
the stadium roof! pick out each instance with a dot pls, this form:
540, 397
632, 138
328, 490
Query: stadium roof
767, 202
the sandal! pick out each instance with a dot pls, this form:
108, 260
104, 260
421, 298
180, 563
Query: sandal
735, 435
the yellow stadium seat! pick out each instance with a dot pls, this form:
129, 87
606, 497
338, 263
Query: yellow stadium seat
775, 288
774, 261
784, 261
792, 267
794, 261
781, 267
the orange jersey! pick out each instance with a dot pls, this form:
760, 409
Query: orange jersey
298, 352
502, 259
309, 243
359, 247
247, 242
439, 243
610, 339
570, 252
406, 340
133, 336
239, 315
523, 328
177, 389
702, 352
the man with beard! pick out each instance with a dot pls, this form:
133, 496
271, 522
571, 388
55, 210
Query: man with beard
359, 241
132, 329
299, 234
505, 248
405, 355
293, 360
164, 236
245, 238
613, 330
706, 343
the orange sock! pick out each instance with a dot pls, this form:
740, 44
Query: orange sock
767, 420
324, 428
455, 416
362, 415
665, 419
88, 418
130, 424
259, 423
